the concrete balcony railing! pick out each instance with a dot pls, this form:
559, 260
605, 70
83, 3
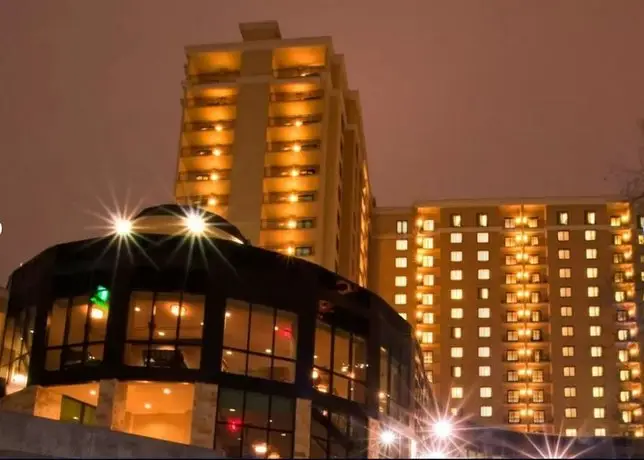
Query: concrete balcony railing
297, 96
209, 101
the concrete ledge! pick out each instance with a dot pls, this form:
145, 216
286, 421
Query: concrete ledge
24, 435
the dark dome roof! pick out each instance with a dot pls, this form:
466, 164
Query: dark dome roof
175, 210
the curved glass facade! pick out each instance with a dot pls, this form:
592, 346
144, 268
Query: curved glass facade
216, 344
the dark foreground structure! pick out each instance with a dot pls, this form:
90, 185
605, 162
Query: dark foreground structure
179, 330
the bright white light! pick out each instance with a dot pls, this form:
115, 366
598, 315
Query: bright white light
260, 448
387, 437
122, 227
96, 313
195, 224
443, 429
19, 379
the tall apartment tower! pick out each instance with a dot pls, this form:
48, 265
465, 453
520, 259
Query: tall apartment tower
526, 310
272, 139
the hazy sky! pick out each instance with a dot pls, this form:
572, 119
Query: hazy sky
460, 98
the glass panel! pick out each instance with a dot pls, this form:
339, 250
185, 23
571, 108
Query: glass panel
234, 362
285, 335
280, 445
98, 322
236, 325
192, 314
230, 405
259, 366
322, 356
191, 356
255, 443
359, 358
57, 318
89, 415
70, 410
228, 439
261, 329
140, 316
73, 356
135, 354
52, 361
282, 414
94, 355
341, 386
77, 319
283, 371
166, 313
256, 410
341, 350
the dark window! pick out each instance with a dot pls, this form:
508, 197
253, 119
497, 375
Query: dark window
340, 362
336, 435
254, 425
165, 330
259, 341
15, 350
72, 410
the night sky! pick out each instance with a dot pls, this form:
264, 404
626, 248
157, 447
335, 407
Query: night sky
461, 99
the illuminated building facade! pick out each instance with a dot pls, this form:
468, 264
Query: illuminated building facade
272, 139
176, 328
525, 310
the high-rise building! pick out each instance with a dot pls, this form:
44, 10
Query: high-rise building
272, 139
525, 309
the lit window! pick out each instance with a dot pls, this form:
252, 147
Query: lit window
401, 262
428, 280
483, 293
620, 296
599, 412
563, 254
563, 235
591, 253
590, 235
597, 371
486, 411
456, 220
456, 238
457, 371
569, 371
456, 352
484, 331
567, 331
509, 222
401, 281
590, 217
403, 316
482, 237
591, 272
593, 291
593, 311
400, 299
483, 312
428, 225
564, 273
565, 292
566, 311
428, 243
456, 294
427, 337
568, 352
595, 331
428, 318
457, 392
427, 299
562, 218
600, 431
596, 352
483, 274
571, 432
482, 220
456, 275
570, 412
427, 261
456, 313
428, 357
570, 392
456, 256
401, 227
483, 256
485, 371
402, 245
485, 392
484, 352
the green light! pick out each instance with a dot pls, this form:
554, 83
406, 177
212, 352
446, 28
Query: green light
101, 297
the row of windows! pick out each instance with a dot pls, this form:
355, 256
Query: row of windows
535, 316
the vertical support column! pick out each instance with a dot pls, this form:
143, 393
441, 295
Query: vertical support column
47, 404
373, 449
302, 428
204, 408
110, 410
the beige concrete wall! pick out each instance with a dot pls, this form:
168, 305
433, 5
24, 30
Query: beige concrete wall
110, 411
302, 428
204, 409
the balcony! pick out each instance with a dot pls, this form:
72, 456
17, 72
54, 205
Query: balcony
296, 171
204, 176
297, 96
205, 150
288, 224
289, 198
209, 101
217, 126
295, 72
203, 201
302, 146
224, 76
294, 121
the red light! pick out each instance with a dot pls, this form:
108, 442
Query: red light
234, 424
286, 333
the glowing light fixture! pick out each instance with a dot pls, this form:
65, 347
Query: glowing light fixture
387, 437
260, 449
167, 391
216, 151
442, 429
92, 392
214, 176
195, 224
147, 406
291, 223
212, 201
294, 172
297, 148
122, 227
96, 313
19, 379
293, 198
298, 123
176, 310
219, 128
290, 250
